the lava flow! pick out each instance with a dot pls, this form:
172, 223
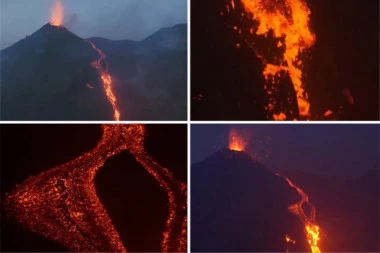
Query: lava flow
287, 21
106, 80
56, 13
61, 203
236, 141
311, 228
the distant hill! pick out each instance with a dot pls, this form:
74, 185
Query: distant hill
48, 76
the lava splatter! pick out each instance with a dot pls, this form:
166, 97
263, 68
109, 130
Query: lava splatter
286, 21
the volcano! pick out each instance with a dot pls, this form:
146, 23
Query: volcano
239, 205
49, 76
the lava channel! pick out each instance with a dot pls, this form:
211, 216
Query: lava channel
61, 203
106, 80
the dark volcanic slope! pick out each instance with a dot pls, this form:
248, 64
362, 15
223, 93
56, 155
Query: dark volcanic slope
44, 77
238, 205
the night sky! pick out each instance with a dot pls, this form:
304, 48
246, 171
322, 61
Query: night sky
344, 151
116, 19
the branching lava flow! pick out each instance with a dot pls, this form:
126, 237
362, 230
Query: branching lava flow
61, 203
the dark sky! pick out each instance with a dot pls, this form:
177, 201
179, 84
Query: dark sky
116, 19
336, 150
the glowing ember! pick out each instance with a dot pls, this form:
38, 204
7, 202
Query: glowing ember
106, 81
328, 113
236, 141
62, 204
56, 13
289, 240
288, 22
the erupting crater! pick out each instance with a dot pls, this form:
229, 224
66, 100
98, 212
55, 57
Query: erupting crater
236, 141
56, 17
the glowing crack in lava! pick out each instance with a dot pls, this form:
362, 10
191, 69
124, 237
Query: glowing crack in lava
61, 203
287, 21
106, 80
236, 142
311, 228
56, 13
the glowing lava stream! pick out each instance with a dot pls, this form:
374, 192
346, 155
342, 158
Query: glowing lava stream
311, 228
106, 80
288, 22
61, 203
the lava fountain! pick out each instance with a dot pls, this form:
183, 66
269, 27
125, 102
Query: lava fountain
286, 21
56, 16
62, 204
236, 141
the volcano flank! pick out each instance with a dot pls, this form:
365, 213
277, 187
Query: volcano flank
238, 205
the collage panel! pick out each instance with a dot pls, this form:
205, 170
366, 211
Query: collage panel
93, 60
93, 188
256, 60
285, 188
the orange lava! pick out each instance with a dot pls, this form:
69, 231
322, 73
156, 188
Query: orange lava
288, 22
328, 113
289, 240
311, 228
62, 204
236, 142
106, 81
56, 17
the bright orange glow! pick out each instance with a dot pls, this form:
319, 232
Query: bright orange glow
328, 113
288, 22
56, 17
289, 240
106, 81
280, 116
311, 228
236, 142
62, 203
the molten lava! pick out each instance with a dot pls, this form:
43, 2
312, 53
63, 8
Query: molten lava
56, 17
311, 228
62, 204
106, 80
287, 21
236, 142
